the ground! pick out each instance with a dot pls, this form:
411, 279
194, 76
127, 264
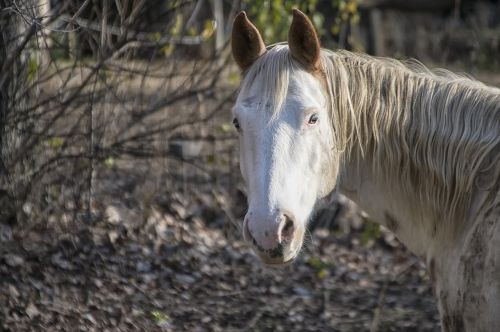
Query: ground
172, 269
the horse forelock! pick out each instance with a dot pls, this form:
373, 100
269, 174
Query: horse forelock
270, 76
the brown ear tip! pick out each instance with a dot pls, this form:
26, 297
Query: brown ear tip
241, 17
297, 13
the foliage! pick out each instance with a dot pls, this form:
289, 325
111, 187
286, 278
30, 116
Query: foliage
181, 27
371, 232
33, 67
272, 17
55, 142
80, 101
347, 13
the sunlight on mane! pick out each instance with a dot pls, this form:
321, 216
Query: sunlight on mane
428, 133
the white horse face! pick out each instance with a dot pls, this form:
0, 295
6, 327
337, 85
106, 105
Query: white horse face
283, 159
285, 136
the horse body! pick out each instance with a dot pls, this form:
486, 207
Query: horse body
419, 151
447, 208
464, 265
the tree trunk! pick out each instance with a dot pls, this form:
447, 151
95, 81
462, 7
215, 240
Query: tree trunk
16, 31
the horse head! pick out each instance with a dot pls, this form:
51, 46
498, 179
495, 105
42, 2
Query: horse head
285, 134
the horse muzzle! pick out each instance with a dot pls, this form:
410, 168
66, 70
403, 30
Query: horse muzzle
276, 240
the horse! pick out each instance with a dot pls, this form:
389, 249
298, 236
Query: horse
418, 150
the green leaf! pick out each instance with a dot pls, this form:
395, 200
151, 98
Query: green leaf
226, 127
371, 232
33, 67
316, 263
109, 162
160, 317
177, 27
322, 274
234, 78
55, 142
208, 29
155, 36
168, 49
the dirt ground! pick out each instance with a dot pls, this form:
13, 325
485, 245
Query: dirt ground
181, 266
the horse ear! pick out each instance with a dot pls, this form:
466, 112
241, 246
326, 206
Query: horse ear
304, 42
246, 43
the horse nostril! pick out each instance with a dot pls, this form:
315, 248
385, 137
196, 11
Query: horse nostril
288, 228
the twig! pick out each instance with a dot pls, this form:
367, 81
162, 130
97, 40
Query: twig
378, 310
226, 211
144, 39
254, 320
381, 298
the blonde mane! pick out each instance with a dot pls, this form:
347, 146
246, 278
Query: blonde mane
429, 133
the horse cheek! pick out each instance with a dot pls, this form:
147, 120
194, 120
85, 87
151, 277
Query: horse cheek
314, 159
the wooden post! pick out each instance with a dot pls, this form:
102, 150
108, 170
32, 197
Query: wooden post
220, 37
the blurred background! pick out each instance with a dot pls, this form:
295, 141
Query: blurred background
121, 200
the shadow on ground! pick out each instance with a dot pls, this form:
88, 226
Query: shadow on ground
159, 273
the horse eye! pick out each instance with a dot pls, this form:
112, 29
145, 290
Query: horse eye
313, 119
236, 124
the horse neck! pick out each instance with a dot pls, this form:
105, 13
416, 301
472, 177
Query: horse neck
410, 157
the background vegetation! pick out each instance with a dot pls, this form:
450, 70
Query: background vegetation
120, 194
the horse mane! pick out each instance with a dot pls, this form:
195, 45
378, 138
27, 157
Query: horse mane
430, 134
